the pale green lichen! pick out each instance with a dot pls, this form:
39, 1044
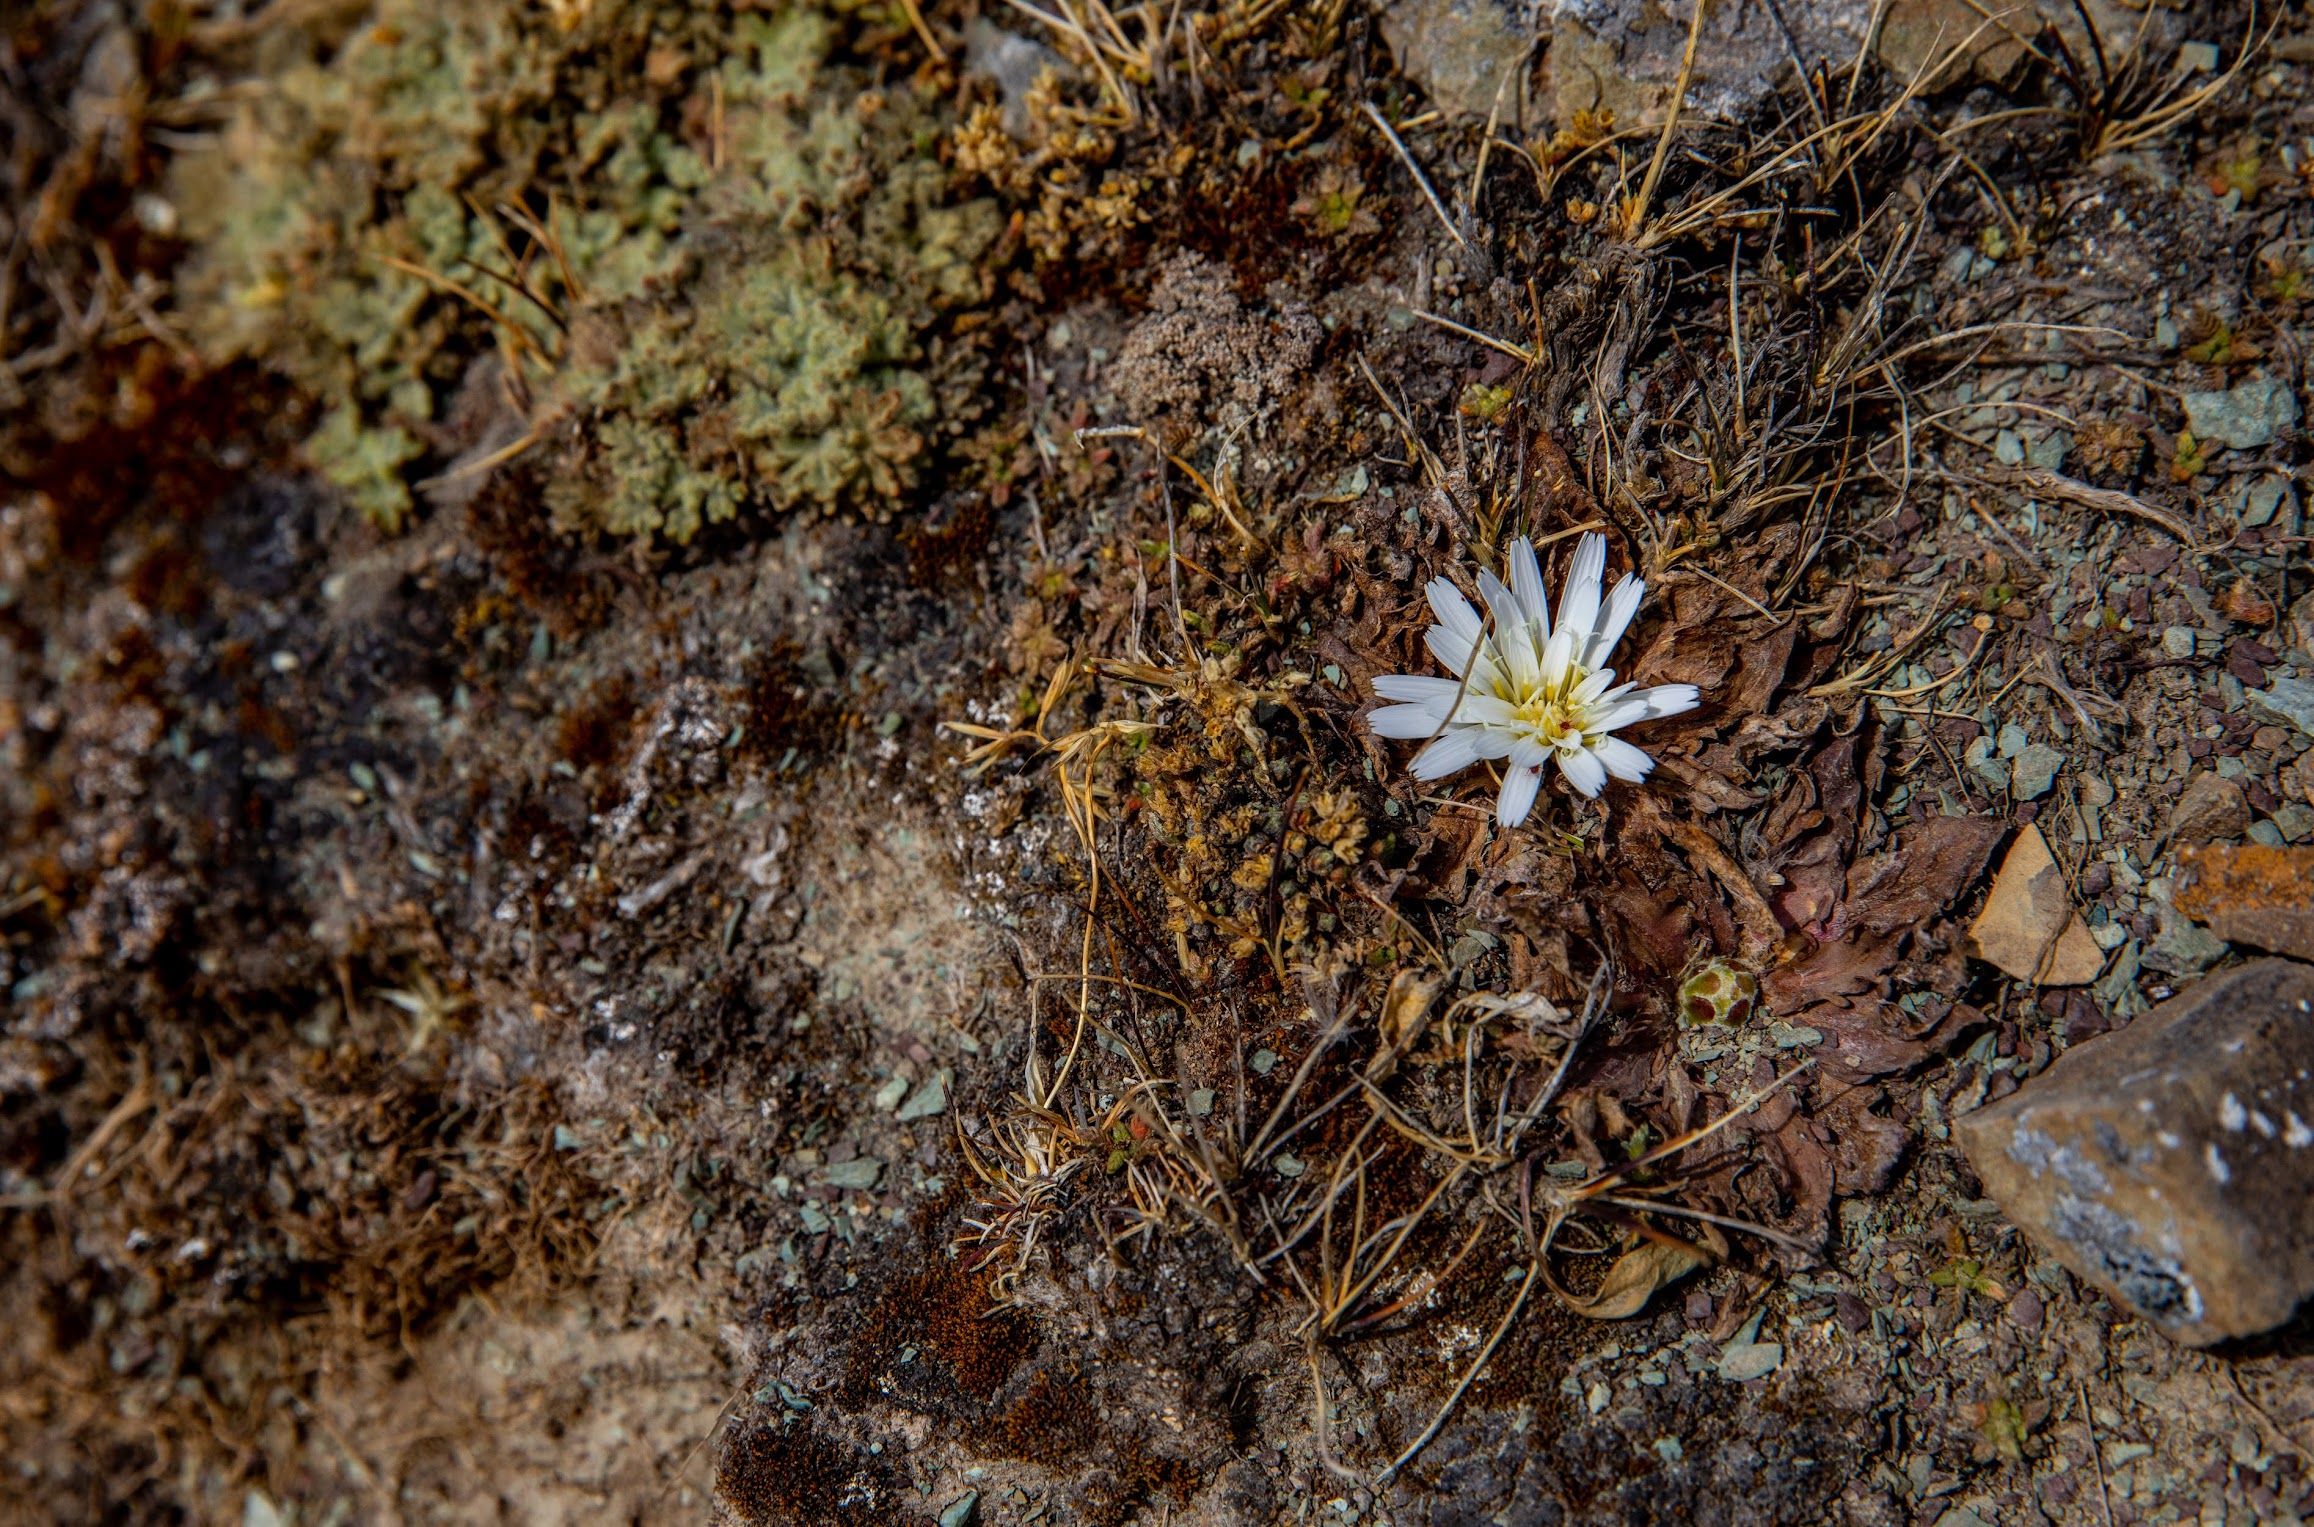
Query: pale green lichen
365, 462
747, 248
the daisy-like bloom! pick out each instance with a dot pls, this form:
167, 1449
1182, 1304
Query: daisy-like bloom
1536, 693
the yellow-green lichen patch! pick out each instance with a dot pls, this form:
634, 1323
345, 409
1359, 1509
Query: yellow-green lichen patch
708, 253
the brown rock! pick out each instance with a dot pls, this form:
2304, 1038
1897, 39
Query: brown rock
2028, 927
2171, 1163
2249, 893
2211, 808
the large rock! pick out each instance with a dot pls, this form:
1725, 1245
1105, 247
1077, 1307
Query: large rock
1624, 55
1459, 51
1940, 41
2172, 1163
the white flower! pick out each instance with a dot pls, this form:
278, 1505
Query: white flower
1536, 692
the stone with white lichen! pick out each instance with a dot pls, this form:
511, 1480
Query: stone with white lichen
2172, 1163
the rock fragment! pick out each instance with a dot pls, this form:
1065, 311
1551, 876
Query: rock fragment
2029, 927
2034, 771
2245, 417
2171, 1163
1940, 41
928, 1101
2249, 894
2211, 808
2301, 631
2285, 702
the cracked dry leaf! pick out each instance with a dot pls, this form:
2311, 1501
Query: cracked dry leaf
2028, 927
1635, 1277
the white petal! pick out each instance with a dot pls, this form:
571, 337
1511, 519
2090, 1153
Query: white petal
1416, 686
1450, 754
1558, 656
1527, 583
1667, 699
1614, 620
1453, 611
1526, 753
1593, 686
1451, 648
1518, 795
1621, 759
1607, 716
1579, 602
1406, 723
1583, 771
1513, 638
1486, 710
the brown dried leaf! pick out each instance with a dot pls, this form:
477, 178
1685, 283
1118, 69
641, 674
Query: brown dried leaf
1555, 491
1701, 655
1761, 931
1635, 1277
1889, 896
1846, 967
1707, 789
1658, 932
1868, 1039
1920, 876
1866, 1148
1761, 660
1405, 1014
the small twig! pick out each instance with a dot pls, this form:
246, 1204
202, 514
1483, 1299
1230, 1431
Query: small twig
2096, 1453
1984, 640
1525, 357
1485, 1356
1636, 213
1731, 588
2103, 500
916, 20
1493, 120
2014, 544
1420, 179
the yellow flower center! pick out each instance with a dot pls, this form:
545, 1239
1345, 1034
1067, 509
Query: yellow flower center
1555, 720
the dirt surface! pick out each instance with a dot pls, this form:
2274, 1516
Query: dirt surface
574, 954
